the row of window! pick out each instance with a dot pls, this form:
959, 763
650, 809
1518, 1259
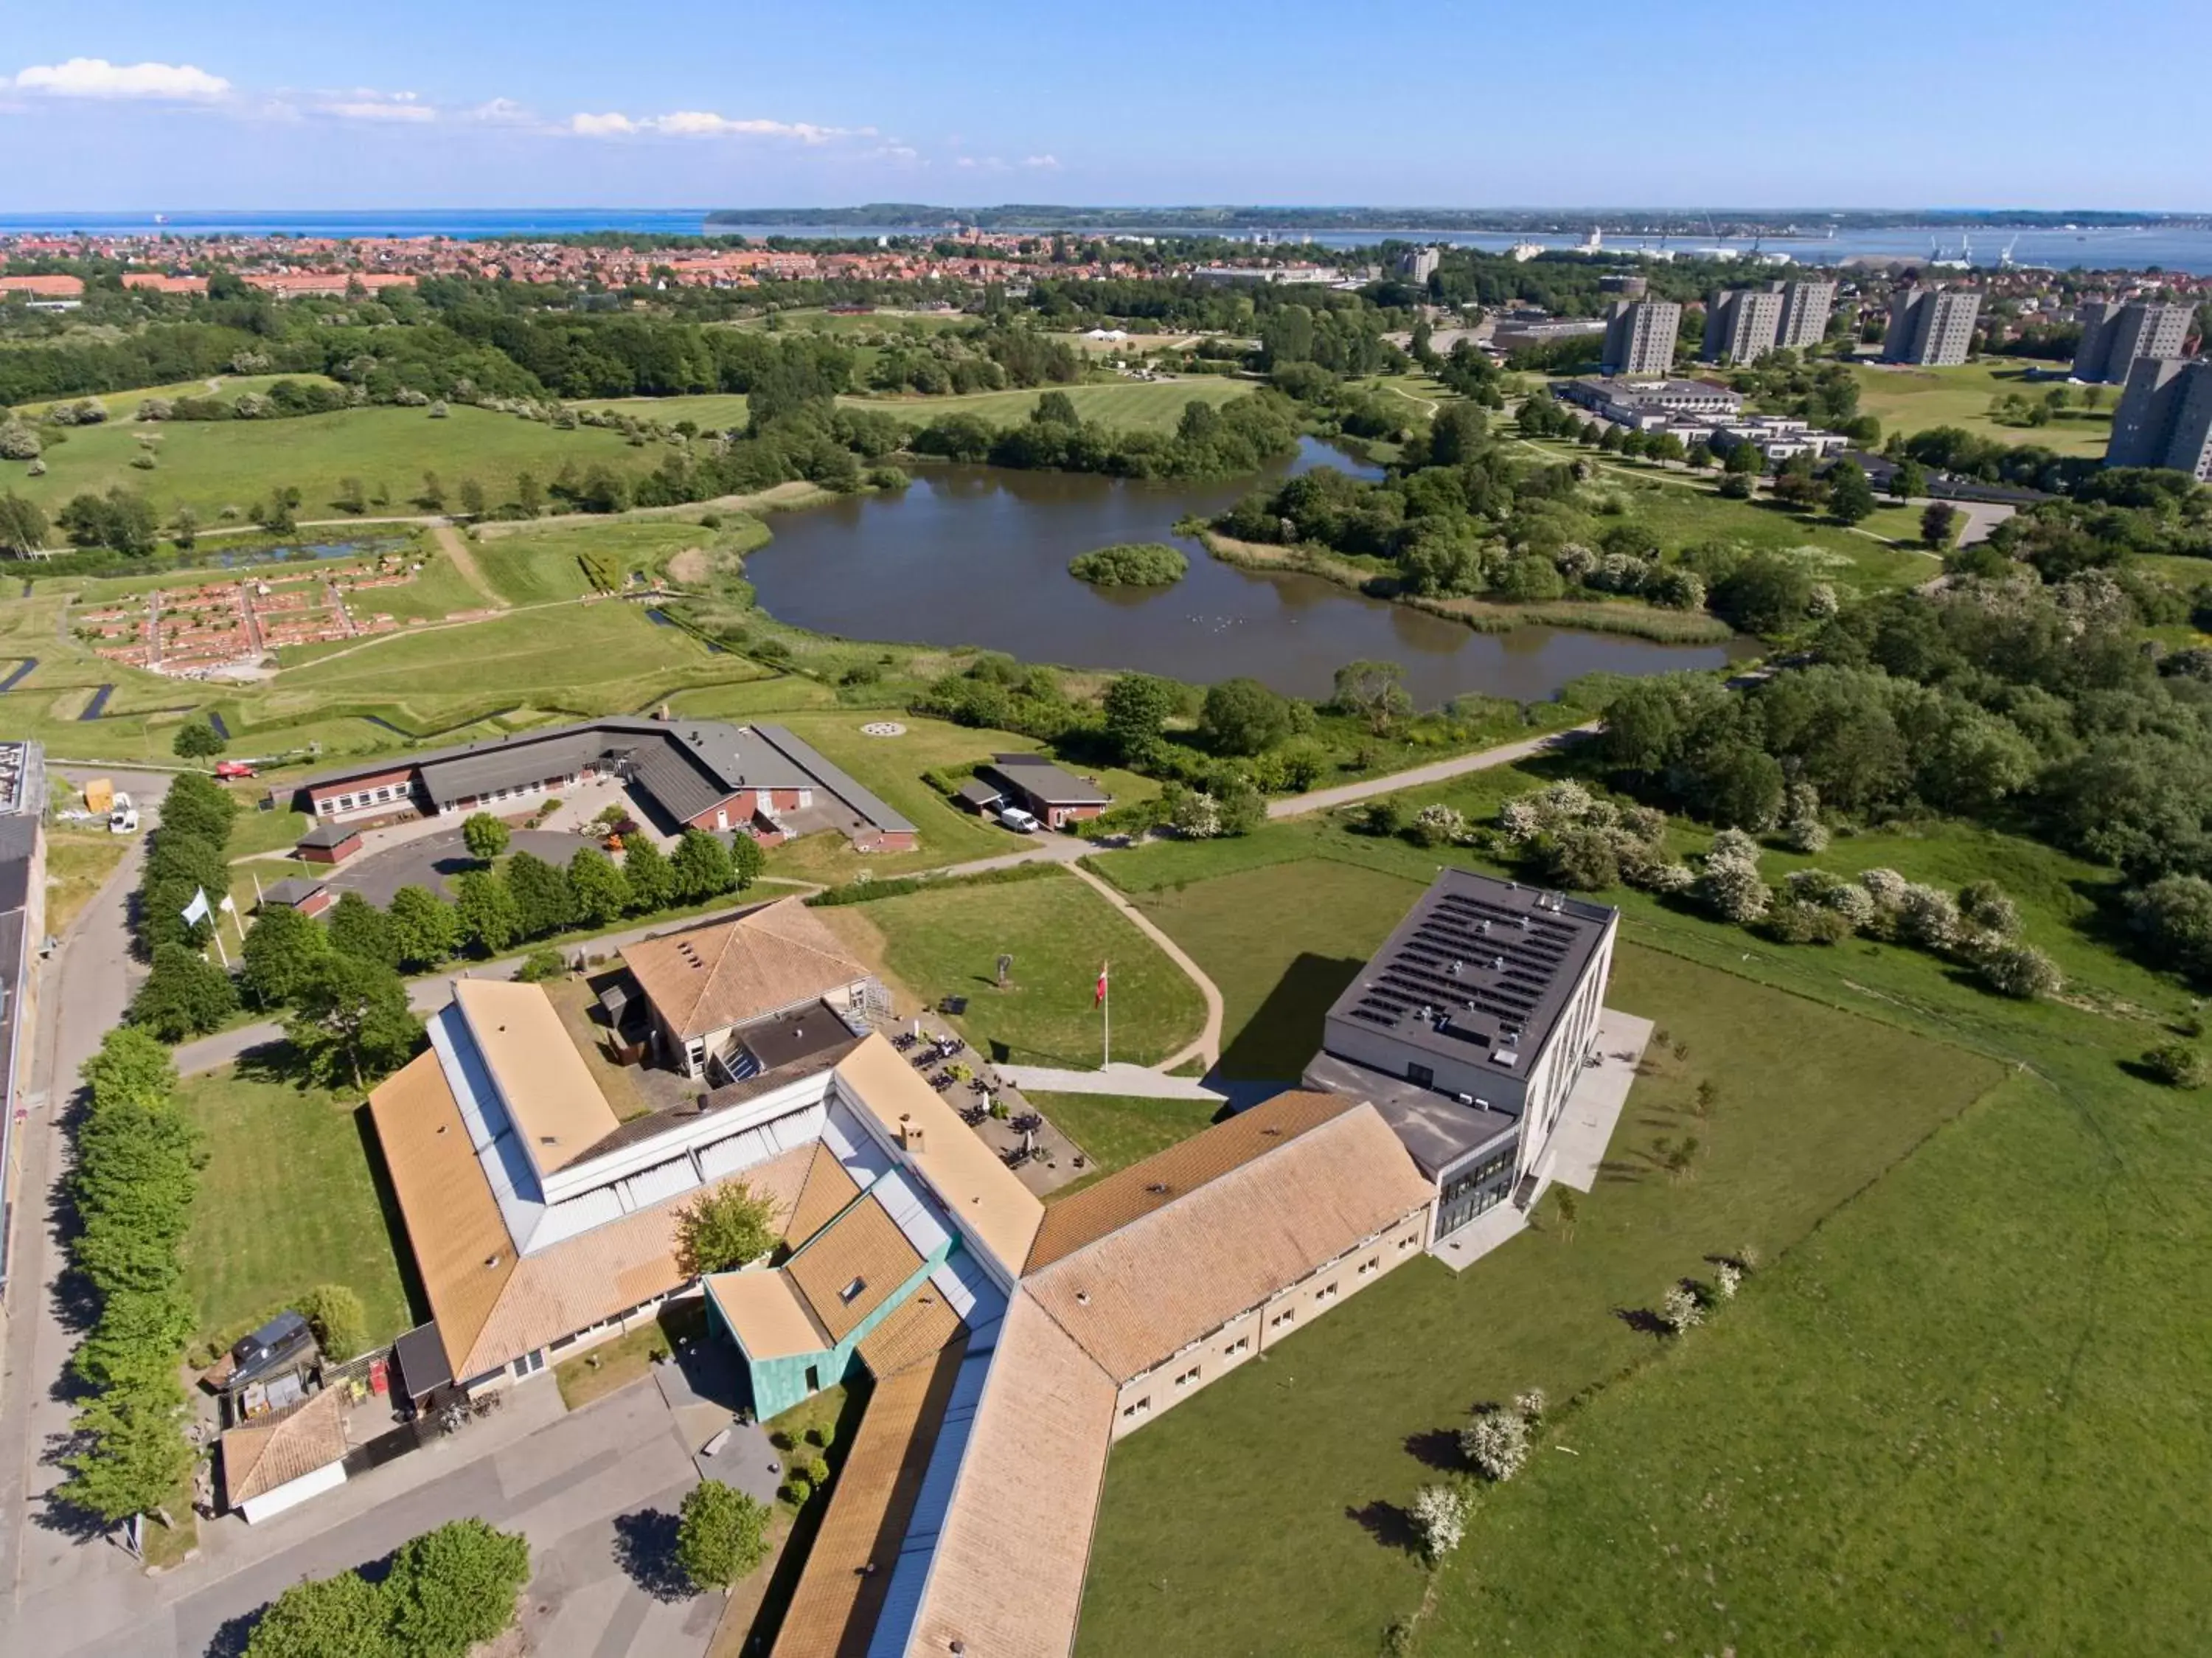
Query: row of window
367, 797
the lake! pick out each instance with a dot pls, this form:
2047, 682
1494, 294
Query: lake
978, 556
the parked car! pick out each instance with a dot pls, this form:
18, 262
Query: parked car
233, 768
1019, 821
123, 816
282, 1343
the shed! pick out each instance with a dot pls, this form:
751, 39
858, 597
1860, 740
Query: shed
271, 1465
329, 843
1054, 796
979, 796
305, 894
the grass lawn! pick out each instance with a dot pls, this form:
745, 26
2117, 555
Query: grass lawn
1129, 405
630, 1357
1913, 399
213, 465
78, 864
532, 566
1316, 1450
287, 1200
228, 388
1115, 1130
947, 941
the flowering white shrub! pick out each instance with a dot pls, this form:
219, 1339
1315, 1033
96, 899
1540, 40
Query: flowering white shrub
1681, 1310
1928, 916
1496, 1444
1439, 1516
1728, 1280
1530, 1404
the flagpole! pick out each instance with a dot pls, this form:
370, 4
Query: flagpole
1106, 1020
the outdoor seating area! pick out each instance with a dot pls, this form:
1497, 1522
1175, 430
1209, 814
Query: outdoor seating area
1040, 1155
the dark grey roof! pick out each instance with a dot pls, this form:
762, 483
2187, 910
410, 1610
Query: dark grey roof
19, 840
977, 793
1040, 779
790, 1037
641, 1129
1479, 970
836, 779
292, 890
526, 760
423, 1362
1438, 1132
330, 834
677, 787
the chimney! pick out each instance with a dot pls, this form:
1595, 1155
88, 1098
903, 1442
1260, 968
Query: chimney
910, 1133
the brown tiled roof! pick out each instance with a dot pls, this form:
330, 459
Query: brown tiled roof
765, 1314
259, 1456
1169, 1175
1135, 1296
839, 1597
827, 1191
964, 1173
1008, 1575
914, 1331
559, 1112
489, 1307
709, 978
608, 1270
862, 1248
462, 1251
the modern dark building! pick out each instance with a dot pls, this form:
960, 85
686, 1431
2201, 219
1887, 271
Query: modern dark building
2165, 417
1467, 1030
2116, 337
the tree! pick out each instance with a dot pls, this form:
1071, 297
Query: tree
358, 928
486, 910
472, 499
1939, 525
183, 996
198, 806
198, 739
484, 835
2021, 971
22, 525
2177, 1065
1242, 716
1138, 707
336, 1315
1851, 498
454, 1587
598, 887
185, 528
1496, 1444
425, 929
723, 1230
1373, 692
319, 1617
542, 900
282, 949
1439, 1518
352, 1020
748, 860
702, 867
721, 1535
131, 1456
645, 868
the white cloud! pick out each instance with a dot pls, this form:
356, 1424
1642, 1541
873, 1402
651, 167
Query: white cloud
706, 124
1042, 163
364, 105
95, 77
502, 111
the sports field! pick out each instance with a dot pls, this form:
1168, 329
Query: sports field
1913, 399
211, 465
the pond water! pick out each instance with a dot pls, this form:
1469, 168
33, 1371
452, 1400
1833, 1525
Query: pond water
978, 556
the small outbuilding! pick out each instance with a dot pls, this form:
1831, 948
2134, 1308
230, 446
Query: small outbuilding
305, 894
979, 796
329, 843
279, 1461
1054, 797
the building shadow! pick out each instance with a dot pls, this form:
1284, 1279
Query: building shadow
395, 1218
1285, 1032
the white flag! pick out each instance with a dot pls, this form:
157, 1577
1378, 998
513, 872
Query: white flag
197, 911
228, 903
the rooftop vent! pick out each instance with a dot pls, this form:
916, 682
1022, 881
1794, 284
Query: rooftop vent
1082, 1298
1157, 1188
1504, 1057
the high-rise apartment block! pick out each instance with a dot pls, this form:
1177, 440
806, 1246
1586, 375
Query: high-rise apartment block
1639, 337
2114, 337
1931, 327
2165, 417
1806, 307
1419, 264
1742, 324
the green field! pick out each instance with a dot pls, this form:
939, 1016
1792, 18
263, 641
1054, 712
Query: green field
1913, 399
228, 388
946, 940
532, 567
287, 1200
212, 466
1138, 405
1262, 1516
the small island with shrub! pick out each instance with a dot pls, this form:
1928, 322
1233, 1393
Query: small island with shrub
1131, 564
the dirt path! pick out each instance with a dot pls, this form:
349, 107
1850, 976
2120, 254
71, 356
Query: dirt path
456, 547
1428, 403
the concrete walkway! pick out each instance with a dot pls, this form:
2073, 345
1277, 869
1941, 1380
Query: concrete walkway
1593, 1107
1350, 794
1138, 1081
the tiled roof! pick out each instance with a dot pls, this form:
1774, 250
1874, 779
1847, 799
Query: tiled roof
1137, 1296
852, 1267
766, 1314
839, 1596
709, 978
913, 1333
827, 1191
966, 1175
1169, 1175
257, 1457
559, 1112
1007, 1578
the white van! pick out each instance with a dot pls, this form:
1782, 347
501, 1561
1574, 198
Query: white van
123, 817
1018, 820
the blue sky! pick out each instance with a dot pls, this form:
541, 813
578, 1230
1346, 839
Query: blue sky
127, 104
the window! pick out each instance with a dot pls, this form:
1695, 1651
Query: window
1421, 1076
851, 1292
813, 1378
1408, 1241
1365, 1267
1188, 1377
529, 1364
1241, 1344
1287, 1315
1141, 1408
1326, 1293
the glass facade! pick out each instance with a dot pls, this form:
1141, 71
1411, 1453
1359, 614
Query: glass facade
1470, 1191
